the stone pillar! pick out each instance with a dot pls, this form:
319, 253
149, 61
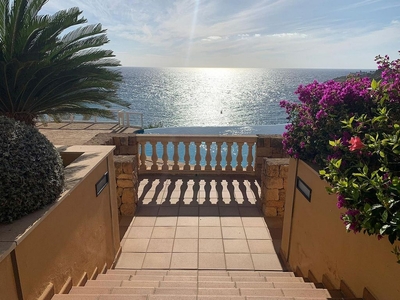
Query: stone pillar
273, 186
268, 146
127, 183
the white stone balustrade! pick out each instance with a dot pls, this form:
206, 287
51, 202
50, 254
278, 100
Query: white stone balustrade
193, 154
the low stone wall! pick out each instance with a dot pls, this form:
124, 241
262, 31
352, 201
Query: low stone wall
268, 146
127, 183
125, 144
273, 186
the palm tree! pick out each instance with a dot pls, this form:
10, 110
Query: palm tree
47, 71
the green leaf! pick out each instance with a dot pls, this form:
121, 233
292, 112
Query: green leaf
385, 216
382, 154
332, 143
374, 84
338, 163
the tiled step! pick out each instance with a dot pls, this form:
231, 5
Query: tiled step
195, 285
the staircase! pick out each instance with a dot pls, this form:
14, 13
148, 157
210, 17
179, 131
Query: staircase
195, 285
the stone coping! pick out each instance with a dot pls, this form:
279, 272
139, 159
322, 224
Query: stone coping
13, 234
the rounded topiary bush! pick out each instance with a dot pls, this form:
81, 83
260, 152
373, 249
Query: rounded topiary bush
31, 170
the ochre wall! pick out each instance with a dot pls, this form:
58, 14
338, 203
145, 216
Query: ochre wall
81, 242
317, 241
76, 234
8, 290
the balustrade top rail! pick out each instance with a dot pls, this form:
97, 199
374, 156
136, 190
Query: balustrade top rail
192, 154
124, 118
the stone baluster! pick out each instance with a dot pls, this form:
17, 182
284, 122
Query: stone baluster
239, 157
249, 167
208, 157
154, 156
197, 167
228, 166
176, 157
218, 157
143, 156
187, 156
165, 156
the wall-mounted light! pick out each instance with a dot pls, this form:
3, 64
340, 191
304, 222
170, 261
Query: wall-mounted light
303, 188
101, 184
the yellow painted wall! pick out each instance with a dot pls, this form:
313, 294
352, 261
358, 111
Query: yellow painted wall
317, 241
8, 290
77, 234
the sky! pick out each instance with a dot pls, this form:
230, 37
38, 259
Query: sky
342, 34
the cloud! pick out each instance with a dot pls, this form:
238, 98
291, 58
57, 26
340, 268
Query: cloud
212, 38
289, 35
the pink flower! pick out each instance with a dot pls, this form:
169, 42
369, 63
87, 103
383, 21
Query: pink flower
355, 143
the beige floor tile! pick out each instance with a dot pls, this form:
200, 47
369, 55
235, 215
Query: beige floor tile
135, 245
143, 221
189, 211
250, 211
168, 211
253, 221
212, 232
257, 233
184, 260
233, 233
209, 221
130, 260
211, 246
266, 262
208, 211
231, 221
261, 246
188, 221
211, 261
229, 211
160, 245
187, 232
207, 202
239, 261
157, 261
236, 246
166, 221
139, 233
185, 245
147, 211
163, 233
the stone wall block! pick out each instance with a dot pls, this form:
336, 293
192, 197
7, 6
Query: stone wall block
128, 195
271, 195
270, 211
282, 195
124, 183
283, 171
128, 168
275, 204
127, 209
272, 171
274, 183
125, 176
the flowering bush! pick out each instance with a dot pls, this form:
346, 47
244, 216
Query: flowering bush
352, 131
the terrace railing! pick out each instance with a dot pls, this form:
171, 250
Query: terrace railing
124, 118
193, 154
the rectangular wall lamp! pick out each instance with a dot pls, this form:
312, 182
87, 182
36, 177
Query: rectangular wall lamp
303, 188
101, 184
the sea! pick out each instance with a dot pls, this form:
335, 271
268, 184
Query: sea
187, 97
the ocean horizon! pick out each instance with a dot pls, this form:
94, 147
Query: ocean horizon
187, 97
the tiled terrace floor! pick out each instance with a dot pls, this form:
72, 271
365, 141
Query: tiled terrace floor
191, 223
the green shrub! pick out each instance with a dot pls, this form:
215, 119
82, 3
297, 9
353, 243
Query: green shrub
31, 170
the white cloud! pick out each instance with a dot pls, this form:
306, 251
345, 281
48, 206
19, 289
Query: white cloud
289, 35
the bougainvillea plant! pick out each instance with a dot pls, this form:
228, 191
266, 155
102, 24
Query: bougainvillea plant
352, 131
